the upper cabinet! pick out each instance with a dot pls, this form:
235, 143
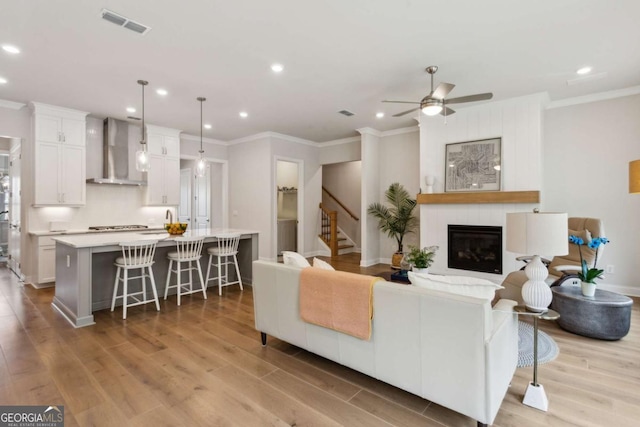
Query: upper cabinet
163, 178
59, 156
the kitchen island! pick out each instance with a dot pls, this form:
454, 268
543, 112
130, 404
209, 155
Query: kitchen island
85, 273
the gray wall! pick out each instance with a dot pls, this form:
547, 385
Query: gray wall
586, 153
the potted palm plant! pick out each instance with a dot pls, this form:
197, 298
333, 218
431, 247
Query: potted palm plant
397, 218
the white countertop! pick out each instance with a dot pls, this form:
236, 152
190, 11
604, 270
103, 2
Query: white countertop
39, 233
89, 240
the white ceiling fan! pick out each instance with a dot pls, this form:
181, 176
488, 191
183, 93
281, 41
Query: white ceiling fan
435, 102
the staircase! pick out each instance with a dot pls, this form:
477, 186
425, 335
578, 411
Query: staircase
330, 234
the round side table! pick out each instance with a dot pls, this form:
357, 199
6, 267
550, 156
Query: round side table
605, 316
535, 395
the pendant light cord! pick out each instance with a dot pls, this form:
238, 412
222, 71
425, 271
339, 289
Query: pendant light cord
201, 99
143, 83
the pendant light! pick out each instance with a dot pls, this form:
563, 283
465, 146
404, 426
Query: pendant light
142, 155
201, 164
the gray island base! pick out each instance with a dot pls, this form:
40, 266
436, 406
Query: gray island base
85, 273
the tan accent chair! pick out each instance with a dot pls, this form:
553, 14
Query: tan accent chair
562, 269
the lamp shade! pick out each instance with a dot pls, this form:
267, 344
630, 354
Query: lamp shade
634, 176
538, 233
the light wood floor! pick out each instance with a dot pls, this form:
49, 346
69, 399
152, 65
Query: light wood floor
202, 364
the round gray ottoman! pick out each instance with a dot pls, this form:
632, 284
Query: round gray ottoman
606, 315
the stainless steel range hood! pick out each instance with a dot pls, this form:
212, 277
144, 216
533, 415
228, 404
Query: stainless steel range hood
116, 150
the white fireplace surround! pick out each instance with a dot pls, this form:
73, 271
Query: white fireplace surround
519, 123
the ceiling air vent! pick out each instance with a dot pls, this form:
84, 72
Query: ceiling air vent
124, 22
346, 113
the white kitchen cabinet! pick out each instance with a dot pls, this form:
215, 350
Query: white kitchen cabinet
59, 156
46, 260
163, 178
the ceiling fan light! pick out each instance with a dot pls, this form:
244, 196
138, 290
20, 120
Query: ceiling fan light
432, 110
431, 106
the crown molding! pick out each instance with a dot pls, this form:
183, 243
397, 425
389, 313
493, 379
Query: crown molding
11, 104
342, 141
294, 139
594, 97
189, 137
400, 131
369, 131
270, 134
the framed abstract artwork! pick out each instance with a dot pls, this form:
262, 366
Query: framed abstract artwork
473, 166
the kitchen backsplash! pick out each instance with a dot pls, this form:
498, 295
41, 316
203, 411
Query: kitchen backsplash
106, 205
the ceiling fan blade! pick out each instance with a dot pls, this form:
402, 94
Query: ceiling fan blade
442, 90
446, 111
403, 102
471, 98
406, 112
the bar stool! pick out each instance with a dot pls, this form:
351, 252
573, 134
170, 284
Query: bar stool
225, 255
135, 255
188, 251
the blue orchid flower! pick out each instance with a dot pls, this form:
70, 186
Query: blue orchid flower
589, 274
576, 240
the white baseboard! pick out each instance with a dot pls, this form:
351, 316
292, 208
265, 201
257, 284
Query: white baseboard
43, 285
624, 290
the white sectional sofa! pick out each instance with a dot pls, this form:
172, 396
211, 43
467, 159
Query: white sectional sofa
456, 351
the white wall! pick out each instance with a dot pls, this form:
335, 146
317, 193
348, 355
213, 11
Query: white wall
287, 174
370, 146
253, 189
14, 123
213, 149
309, 197
519, 123
345, 150
587, 149
250, 190
399, 162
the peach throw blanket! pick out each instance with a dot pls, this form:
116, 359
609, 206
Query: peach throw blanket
337, 300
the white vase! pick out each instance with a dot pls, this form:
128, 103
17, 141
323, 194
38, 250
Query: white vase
420, 270
588, 289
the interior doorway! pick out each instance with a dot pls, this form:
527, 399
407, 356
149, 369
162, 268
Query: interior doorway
204, 200
10, 204
288, 205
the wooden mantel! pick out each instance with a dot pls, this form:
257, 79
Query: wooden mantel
476, 197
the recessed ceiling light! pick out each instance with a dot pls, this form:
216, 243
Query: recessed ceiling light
162, 92
207, 126
244, 114
131, 110
3, 80
584, 70
9, 48
380, 115
277, 68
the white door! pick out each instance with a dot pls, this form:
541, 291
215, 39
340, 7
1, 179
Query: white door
184, 208
14, 211
202, 200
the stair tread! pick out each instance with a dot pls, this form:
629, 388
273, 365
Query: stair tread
344, 246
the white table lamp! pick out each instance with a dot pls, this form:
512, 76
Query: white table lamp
537, 234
